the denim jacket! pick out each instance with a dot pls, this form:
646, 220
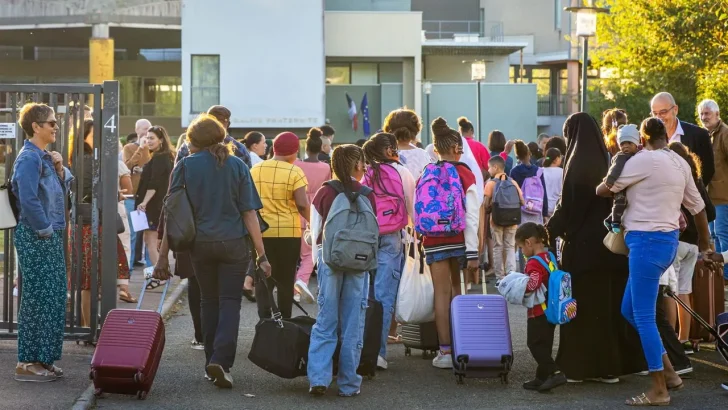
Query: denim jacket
40, 191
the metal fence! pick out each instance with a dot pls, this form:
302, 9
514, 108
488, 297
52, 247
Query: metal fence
447, 29
554, 104
104, 181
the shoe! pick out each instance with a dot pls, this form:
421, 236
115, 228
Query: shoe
208, 378
303, 291
642, 373
574, 381
555, 380
317, 390
688, 348
297, 297
358, 392
382, 363
442, 360
222, 378
197, 345
54, 369
606, 380
532, 384
33, 372
724, 385
684, 370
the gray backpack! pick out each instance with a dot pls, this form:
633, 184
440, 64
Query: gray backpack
351, 232
506, 203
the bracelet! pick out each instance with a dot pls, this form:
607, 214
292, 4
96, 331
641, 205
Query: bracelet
262, 258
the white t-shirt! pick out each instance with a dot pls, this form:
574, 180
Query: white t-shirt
554, 178
254, 158
415, 160
123, 171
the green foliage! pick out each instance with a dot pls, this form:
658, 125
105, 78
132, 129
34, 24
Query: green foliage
679, 46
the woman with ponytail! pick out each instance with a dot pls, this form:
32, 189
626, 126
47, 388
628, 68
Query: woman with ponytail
611, 120
341, 295
254, 141
394, 190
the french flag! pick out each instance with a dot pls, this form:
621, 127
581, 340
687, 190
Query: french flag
352, 112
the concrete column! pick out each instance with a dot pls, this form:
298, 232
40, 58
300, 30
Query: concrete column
101, 54
408, 82
417, 69
572, 85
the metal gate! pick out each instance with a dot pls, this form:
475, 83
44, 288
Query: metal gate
69, 101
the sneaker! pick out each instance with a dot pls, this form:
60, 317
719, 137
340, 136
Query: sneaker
533, 384
442, 360
606, 380
297, 297
208, 378
724, 385
382, 363
574, 381
688, 347
222, 378
303, 290
317, 390
555, 380
197, 345
356, 393
643, 373
684, 370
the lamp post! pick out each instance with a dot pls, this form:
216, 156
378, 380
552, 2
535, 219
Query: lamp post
586, 26
477, 74
428, 90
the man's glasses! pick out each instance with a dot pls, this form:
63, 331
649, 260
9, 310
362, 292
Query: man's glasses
662, 113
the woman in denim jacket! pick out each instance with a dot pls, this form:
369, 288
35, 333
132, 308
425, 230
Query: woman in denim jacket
40, 183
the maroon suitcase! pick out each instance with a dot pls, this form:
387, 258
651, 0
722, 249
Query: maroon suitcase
129, 350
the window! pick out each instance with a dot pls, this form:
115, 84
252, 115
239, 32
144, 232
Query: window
364, 73
542, 78
152, 96
205, 82
338, 74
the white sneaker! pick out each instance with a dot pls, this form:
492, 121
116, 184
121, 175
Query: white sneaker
610, 380
197, 345
297, 297
222, 378
442, 361
382, 363
685, 370
303, 290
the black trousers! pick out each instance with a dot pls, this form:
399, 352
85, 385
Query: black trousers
139, 249
194, 298
282, 254
540, 341
675, 351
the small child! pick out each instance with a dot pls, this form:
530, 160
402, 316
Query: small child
532, 239
628, 137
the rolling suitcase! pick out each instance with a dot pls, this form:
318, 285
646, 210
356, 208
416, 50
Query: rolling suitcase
708, 302
481, 335
423, 337
718, 330
129, 350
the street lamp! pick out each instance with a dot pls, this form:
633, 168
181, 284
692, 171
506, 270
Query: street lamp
428, 90
586, 26
477, 74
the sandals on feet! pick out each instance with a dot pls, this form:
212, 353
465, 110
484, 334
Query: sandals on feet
393, 340
124, 296
642, 400
153, 284
33, 372
55, 369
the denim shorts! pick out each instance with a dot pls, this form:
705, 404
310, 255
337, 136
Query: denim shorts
437, 256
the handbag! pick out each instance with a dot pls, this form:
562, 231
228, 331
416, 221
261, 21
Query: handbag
180, 218
416, 294
8, 207
615, 243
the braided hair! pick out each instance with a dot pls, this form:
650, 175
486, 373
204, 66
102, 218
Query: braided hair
343, 160
532, 230
443, 137
375, 153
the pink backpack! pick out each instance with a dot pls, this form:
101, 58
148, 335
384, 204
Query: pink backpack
533, 192
440, 201
389, 194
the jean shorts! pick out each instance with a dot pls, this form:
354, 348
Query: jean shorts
437, 256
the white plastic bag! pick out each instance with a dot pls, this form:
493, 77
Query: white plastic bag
416, 295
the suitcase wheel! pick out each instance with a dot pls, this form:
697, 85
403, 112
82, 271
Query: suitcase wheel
459, 380
98, 392
407, 351
141, 395
504, 378
139, 378
92, 374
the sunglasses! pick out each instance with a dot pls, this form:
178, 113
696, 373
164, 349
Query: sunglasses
51, 123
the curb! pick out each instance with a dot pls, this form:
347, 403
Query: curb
87, 399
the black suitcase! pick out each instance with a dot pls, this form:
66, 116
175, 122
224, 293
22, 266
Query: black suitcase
421, 337
372, 340
280, 346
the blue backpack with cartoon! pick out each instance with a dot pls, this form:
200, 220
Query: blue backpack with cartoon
560, 304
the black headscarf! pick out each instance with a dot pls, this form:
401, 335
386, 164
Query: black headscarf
579, 214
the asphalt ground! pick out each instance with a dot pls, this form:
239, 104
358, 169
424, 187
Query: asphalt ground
410, 382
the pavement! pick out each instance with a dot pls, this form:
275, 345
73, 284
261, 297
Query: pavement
63, 393
410, 382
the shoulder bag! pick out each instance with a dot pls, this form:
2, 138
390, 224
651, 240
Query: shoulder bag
180, 217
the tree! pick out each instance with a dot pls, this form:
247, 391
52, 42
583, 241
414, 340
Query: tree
679, 46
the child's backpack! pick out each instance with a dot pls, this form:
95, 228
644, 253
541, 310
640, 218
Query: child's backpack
506, 203
351, 233
389, 194
560, 304
440, 201
533, 192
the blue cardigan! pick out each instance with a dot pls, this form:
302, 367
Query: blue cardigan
520, 172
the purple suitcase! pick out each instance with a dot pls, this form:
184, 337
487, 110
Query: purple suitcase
481, 336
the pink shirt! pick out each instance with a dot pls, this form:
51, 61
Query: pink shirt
316, 173
657, 183
480, 152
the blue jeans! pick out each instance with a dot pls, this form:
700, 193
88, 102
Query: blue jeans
220, 271
342, 300
651, 253
721, 232
129, 205
390, 258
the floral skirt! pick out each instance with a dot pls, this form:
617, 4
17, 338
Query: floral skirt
121, 262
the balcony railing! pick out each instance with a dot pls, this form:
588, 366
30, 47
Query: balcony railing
448, 29
55, 8
556, 104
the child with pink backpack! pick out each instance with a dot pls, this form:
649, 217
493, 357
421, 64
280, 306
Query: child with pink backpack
447, 209
393, 187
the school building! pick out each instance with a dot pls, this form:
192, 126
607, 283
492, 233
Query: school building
290, 64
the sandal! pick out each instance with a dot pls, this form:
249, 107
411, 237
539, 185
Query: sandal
124, 296
392, 340
642, 400
33, 372
153, 284
55, 369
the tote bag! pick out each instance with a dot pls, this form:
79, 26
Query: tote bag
416, 295
7, 213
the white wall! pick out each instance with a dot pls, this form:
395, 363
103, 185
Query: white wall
451, 69
272, 62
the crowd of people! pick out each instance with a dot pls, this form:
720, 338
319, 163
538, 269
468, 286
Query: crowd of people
261, 215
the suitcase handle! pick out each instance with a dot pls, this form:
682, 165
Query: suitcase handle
462, 282
697, 317
161, 300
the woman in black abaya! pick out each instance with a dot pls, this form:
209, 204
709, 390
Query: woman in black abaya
598, 344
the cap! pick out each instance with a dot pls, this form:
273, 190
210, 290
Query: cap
628, 133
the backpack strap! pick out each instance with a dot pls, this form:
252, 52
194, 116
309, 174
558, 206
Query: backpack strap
553, 260
542, 262
339, 188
